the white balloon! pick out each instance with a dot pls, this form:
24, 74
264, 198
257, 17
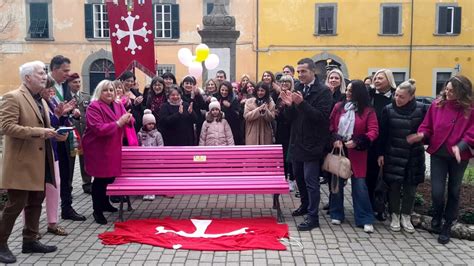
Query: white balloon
185, 56
195, 69
212, 61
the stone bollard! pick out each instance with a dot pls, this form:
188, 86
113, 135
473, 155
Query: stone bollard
458, 230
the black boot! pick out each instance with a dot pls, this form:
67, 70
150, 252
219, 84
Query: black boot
436, 225
6, 256
445, 234
99, 217
37, 247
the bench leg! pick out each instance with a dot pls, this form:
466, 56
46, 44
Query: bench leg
121, 209
276, 205
129, 205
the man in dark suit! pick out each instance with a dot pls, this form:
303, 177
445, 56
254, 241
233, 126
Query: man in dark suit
82, 99
60, 67
308, 109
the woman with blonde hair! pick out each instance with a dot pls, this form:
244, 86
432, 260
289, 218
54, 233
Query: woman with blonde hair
283, 126
380, 96
403, 163
102, 144
336, 83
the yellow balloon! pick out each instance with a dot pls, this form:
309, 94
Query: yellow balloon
202, 52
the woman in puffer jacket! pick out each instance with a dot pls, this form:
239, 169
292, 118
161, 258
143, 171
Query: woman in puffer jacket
215, 130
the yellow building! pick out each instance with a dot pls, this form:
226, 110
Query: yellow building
428, 40
79, 30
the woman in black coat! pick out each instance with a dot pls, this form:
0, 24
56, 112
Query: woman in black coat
403, 164
176, 121
230, 106
191, 94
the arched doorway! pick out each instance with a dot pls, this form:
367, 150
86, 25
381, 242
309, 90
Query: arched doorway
99, 70
323, 59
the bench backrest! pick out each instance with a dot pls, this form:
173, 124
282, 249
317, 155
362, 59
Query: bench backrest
202, 161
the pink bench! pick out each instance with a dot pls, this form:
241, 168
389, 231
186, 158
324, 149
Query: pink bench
201, 170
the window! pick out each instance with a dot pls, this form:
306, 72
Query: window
448, 19
399, 77
161, 69
96, 21
441, 78
39, 21
390, 20
325, 19
101, 22
166, 21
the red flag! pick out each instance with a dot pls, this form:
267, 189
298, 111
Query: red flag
131, 35
201, 234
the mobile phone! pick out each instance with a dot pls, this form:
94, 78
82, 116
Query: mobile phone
64, 130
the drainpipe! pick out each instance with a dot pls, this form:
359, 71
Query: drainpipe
411, 37
256, 33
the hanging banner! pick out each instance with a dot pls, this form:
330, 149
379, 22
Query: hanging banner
131, 35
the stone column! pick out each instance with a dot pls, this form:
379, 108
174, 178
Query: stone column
220, 35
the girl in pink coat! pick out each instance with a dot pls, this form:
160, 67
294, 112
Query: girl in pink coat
215, 130
102, 144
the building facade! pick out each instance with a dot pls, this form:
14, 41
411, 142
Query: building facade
428, 40
79, 30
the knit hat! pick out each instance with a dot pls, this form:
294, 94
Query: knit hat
214, 104
148, 117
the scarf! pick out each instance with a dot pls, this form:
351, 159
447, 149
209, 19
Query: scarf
347, 121
177, 103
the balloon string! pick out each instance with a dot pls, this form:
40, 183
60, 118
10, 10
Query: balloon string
292, 241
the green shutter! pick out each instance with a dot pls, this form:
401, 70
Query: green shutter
175, 21
457, 20
89, 21
442, 20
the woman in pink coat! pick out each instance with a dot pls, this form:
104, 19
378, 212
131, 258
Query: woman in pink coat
354, 126
449, 128
102, 144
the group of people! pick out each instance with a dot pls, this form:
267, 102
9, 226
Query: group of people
380, 126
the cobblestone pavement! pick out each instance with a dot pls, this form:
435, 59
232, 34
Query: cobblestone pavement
330, 244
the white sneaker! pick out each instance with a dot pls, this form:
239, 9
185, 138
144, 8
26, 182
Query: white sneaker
406, 224
395, 224
292, 185
368, 228
335, 222
149, 197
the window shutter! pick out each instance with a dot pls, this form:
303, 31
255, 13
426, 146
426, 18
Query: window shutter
326, 20
457, 20
89, 21
175, 21
390, 20
442, 19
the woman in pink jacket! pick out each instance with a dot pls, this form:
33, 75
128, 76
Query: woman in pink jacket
354, 127
102, 144
449, 128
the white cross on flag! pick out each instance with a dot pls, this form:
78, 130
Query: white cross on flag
132, 38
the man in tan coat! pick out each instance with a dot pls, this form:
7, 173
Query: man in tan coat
28, 158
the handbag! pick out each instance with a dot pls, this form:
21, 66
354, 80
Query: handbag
338, 164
